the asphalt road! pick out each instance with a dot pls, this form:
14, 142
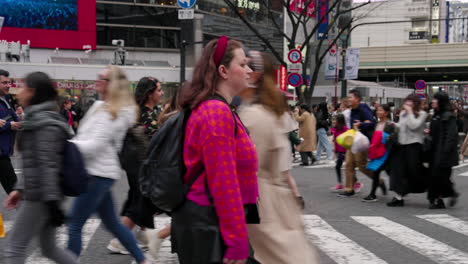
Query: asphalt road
345, 230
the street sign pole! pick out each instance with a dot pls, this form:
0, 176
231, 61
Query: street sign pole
186, 15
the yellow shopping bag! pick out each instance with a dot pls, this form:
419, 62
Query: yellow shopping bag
2, 228
346, 139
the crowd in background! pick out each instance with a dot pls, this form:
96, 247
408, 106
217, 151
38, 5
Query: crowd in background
240, 201
40, 14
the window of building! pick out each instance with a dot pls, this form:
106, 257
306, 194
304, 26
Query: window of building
139, 37
136, 15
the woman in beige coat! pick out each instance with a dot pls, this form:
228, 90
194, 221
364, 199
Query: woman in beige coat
280, 237
307, 131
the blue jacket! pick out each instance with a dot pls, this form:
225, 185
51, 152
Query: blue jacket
364, 113
7, 136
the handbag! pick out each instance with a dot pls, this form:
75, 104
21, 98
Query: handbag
360, 144
346, 139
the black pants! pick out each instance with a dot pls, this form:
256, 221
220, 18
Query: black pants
340, 158
408, 175
305, 157
440, 184
7, 174
376, 180
137, 207
196, 237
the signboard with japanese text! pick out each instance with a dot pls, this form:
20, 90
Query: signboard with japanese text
322, 13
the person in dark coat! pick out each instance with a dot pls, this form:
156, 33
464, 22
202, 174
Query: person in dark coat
9, 125
443, 132
408, 175
323, 123
38, 194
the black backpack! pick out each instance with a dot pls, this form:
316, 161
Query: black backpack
74, 177
161, 174
134, 150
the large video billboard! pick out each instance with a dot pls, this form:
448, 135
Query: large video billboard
63, 24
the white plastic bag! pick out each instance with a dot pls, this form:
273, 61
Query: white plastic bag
361, 143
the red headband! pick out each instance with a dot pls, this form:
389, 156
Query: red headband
221, 47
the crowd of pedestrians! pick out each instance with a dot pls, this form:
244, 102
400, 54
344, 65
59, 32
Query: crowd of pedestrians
40, 14
240, 201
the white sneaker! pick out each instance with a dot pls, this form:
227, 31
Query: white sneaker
115, 247
148, 259
141, 237
154, 243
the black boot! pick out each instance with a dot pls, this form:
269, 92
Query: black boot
437, 204
383, 187
453, 200
396, 203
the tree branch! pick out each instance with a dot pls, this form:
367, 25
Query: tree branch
278, 28
278, 56
315, 28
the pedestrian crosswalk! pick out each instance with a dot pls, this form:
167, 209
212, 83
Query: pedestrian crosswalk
333, 241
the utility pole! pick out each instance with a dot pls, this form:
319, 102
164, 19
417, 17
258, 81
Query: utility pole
183, 44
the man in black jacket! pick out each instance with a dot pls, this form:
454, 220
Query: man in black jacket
9, 124
362, 119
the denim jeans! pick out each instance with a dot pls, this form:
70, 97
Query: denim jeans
98, 199
323, 143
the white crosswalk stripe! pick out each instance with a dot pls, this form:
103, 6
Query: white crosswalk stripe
335, 244
447, 221
422, 244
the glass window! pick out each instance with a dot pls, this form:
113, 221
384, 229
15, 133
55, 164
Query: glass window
139, 37
158, 2
137, 15
127, 1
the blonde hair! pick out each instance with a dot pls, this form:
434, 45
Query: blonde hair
119, 94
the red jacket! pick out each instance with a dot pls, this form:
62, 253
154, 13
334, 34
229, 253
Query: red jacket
377, 148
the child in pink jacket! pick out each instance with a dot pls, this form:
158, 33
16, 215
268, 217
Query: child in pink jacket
339, 127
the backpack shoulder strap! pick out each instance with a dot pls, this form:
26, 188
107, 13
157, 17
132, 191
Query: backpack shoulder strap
233, 111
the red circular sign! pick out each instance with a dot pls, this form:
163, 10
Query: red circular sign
420, 85
295, 79
294, 56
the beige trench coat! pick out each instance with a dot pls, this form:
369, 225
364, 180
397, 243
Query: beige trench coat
307, 131
280, 237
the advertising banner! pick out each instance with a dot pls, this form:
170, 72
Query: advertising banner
63, 24
331, 63
352, 63
322, 12
298, 6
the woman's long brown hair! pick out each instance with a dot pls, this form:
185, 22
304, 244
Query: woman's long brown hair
205, 75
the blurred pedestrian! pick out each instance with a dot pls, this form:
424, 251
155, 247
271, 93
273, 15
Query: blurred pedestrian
210, 227
9, 125
308, 132
361, 118
408, 174
323, 122
65, 111
339, 127
100, 138
138, 211
384, 125
444, 139
280, 237
41, 143
20, 113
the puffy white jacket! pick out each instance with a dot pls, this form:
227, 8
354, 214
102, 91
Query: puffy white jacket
100, 138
